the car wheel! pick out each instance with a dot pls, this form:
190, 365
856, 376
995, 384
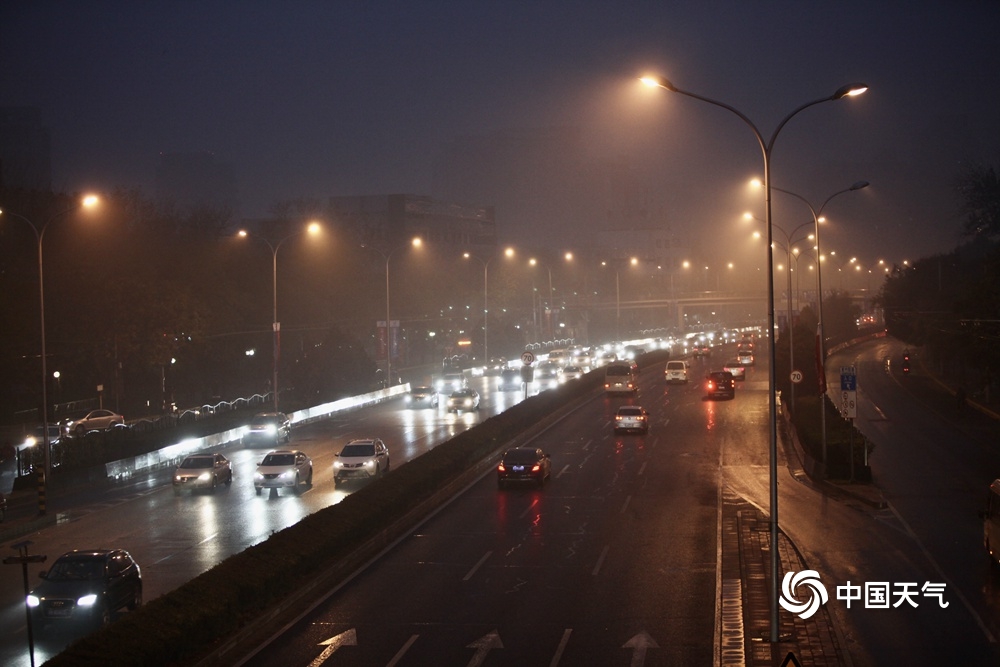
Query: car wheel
499, 483
387, 464
215, 482
105, 614
229, 480
80, 430
136, 601
309, 479
297, 488
177, 490
258, 490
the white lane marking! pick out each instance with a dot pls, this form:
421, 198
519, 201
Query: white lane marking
477, 566
564, 469
600, 560
402, 651
642, 468
587, 445
628, 499
197, 544
347, 638
525, 512
562, 647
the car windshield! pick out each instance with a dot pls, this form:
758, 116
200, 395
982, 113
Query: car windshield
364, 449
264, 420
520, 456
278, 460
421, 391
720, 377
76, 569
197, 462
630, 412
465, 393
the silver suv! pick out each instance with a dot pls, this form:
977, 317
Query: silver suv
283, 469
364, 458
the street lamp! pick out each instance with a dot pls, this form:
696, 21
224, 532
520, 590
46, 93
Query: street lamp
415, 242
634, 261
534, 262
820, 343
312, 228
88, 201
509, 252
766, 147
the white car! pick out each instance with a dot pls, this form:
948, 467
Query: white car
364, 458
676, 371
463, 400
283, 469
572, 373
95, 420
202, 471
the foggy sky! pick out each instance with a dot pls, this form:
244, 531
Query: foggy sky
316, 99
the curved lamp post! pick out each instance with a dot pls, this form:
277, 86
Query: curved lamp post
766, 147
313, 228
509, 252
89, 201
415, 242
534, 262
820, 342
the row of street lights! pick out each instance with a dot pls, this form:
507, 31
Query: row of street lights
767, 147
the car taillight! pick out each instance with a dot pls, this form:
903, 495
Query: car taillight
500, 468
711, 385
536, 467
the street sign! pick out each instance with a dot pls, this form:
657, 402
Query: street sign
849, 392
796, 377
527, 358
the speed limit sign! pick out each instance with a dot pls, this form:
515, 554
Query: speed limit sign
527, 358
796, 377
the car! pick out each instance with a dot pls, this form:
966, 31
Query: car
421, 397
584, 359
494, 366
572, 372
202, 471
37, 434
283, 469
463, 400
607, 358
361, 458
510, 379
701, 350
268, 428
676, 371
85, 588
631, 418
720, 384
95, 420
745, 357
450, 382
738, 370
524, 464
546, 376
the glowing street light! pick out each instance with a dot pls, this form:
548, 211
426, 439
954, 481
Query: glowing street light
88, 201
534, 262
509, 252
313, 228
415, 242
766, 147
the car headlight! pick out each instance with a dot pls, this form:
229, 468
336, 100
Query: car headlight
271, 429
369, 464
32, 601
287, 474
338, 464
258, 476
87, 600
204, 477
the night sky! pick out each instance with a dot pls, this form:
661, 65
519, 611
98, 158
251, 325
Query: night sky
313, 99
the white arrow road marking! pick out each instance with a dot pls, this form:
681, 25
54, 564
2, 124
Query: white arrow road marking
484, 645
639, 644
348, 638
402, 651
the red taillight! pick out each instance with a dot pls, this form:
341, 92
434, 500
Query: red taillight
711, 385
536, 467
500, 468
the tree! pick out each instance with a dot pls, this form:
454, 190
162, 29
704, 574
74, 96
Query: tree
978, 185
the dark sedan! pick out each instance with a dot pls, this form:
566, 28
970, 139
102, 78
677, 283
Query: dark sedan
86, 588
720, 384
524, 464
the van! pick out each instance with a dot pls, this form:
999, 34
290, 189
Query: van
621, 378
991, 523
676, 371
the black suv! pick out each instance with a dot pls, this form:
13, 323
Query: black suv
720, 384
86, 588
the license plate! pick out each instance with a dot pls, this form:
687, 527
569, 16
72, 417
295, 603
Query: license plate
517, 468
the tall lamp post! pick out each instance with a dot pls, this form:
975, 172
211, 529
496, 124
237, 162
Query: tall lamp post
534, 262
312, 228
618, 298
415, 242
509, 252
89, 201
820, 343
766, 147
